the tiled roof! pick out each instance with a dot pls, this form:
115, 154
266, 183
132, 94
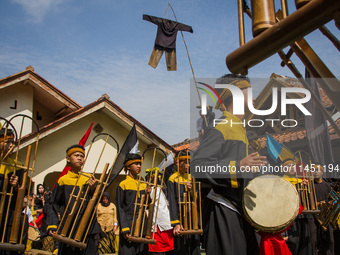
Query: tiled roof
299, 134
187, 145
291, 82
283, 138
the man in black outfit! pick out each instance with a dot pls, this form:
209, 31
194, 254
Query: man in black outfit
225, 229
325, 239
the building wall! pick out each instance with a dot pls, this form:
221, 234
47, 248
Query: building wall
17, 99
50, 156
42, 115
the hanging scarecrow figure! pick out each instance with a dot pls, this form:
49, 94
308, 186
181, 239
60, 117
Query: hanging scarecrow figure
165, 41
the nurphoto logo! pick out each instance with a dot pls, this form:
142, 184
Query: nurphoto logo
238, 105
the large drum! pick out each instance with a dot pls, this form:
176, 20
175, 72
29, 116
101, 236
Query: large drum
270, 203
37, 252
33, 234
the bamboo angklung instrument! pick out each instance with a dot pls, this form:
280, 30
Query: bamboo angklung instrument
3, 156
139, 219
90, 206
93, 207
7, 125
152, 204
137, 228
306, 190
75, 230
136, 232
15, 233
194, 206
160, 187
189, 196
331, 210
190, 220
20, 198
185, 211
311, 187
70, 216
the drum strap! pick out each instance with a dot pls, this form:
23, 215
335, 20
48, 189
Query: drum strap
222, 200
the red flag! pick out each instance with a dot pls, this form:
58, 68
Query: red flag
38, 221
81, 142
86, 136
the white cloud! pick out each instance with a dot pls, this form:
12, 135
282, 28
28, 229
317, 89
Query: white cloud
157, 98
38, 9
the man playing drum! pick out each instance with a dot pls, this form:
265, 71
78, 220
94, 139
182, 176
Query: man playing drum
225, 229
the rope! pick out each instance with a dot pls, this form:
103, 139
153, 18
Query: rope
192, 69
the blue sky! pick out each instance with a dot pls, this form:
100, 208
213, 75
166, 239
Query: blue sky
88, 48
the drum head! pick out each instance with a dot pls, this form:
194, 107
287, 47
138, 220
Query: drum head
33, 234
270, 203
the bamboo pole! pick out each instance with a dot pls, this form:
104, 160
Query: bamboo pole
324, 30
192, 69
241, 22
158, 200
30, 178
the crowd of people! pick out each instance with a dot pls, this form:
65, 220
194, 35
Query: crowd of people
47, 211
117, 227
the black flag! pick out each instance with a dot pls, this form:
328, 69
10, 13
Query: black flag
129, 143
316, 128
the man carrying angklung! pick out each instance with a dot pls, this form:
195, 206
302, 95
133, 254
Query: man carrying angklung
60, 197
13, 182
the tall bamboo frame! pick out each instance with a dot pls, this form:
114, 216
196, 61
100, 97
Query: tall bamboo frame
15, 241
72, 229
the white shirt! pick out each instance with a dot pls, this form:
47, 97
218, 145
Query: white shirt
29, 214
163, 214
